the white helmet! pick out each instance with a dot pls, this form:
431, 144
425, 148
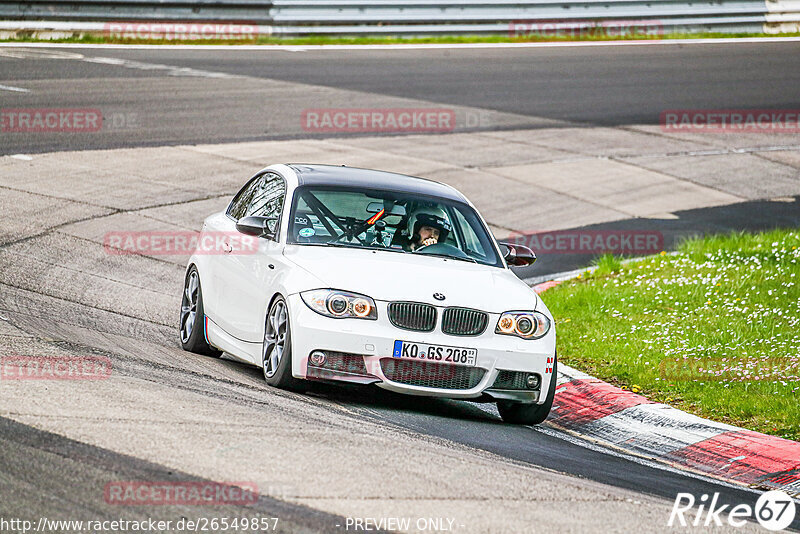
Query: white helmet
429, 216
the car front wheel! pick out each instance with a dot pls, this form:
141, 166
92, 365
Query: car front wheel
524, 413
276, 349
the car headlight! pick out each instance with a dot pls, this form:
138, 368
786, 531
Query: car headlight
524, 324
340, 304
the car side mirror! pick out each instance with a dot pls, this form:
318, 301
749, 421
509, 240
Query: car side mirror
517, 255
258, 226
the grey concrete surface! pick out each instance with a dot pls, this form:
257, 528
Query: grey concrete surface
618, 186
304, 450
46, 476
759, 177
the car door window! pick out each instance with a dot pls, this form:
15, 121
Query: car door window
242, 199
266, 198
263, 196
472, 244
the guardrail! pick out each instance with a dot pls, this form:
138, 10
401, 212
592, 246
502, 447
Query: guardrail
427, 17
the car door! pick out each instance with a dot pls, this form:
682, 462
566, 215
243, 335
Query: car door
216, 269
247, 276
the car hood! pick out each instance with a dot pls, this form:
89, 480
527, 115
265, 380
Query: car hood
390, 276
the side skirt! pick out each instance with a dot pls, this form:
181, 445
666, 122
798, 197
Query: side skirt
244, 351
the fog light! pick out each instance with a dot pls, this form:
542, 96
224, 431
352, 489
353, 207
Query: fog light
317, 358
533, 381
361, 307
506, 324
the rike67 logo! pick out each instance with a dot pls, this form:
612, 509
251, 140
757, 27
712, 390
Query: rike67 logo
774, 510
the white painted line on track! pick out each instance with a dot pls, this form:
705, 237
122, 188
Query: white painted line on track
14, 89
420, 46
170, 70
23, 157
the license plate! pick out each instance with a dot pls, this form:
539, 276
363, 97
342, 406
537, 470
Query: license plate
406, 350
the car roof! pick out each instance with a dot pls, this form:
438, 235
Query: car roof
371, 179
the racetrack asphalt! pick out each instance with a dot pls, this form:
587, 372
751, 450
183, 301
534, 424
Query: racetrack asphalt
339, 452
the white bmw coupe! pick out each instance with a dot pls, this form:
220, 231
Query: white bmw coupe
371, 277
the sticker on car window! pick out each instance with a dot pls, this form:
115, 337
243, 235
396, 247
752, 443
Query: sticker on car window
306, 232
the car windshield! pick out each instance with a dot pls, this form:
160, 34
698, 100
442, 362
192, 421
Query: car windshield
400, 222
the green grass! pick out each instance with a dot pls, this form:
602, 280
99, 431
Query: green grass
713, 330
607, 264
89, 38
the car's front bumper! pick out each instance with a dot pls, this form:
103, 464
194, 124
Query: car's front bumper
374, 341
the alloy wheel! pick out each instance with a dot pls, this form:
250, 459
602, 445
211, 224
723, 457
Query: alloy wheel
275, 338
189, 306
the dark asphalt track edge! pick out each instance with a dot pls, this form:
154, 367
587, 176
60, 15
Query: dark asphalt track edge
599, 86
48, 475
468, 424
749, 216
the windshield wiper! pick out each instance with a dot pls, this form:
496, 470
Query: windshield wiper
338, 244
352, 245
473, 260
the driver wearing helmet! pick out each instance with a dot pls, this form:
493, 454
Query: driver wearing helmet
427, 226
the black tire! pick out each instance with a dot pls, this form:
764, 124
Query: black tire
191, 328
281, 377
525, 413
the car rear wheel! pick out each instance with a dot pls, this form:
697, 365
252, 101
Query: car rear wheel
192, 320
276, 349
523, 413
